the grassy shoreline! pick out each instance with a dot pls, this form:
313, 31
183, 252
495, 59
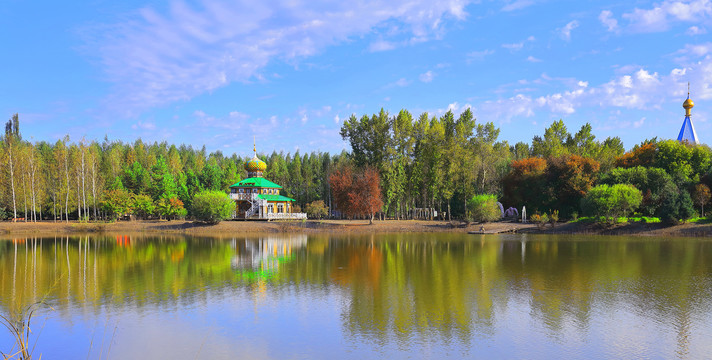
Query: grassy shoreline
343, 226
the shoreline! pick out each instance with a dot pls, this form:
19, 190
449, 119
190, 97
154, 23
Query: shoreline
345, 226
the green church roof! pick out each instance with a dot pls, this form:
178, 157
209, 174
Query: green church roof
257, 182
274, 197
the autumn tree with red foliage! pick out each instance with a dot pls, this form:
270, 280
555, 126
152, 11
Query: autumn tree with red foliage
570, 178
357, 193
524, 183
556, 183
643, 155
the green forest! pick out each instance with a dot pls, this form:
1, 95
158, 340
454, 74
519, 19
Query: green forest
428, 161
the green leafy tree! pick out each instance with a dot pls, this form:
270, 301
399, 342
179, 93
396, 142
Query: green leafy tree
676, 206
611, 201
654, 183
163, 184
142, 206
135, 178
212, 206
553, 142
116, 203
211, 177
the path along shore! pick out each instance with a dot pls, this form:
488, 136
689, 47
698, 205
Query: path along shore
343, 226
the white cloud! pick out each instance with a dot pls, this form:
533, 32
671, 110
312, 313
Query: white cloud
513, 47
533, 59
565, 32
381, 45
337, 119
402, 82
156, 57
478, 55
427, 76
697, 49
662, 15
606, 18
696, 30
639, 123
455, 107
144, 126
517, 5
640, 89
236, 115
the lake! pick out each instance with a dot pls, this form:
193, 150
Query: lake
292, 296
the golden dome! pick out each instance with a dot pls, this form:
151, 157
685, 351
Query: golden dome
255, 164
688, 104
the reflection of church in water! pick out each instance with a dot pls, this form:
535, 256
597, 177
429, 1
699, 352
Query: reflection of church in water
264, 254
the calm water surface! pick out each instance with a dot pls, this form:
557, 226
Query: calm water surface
380, 296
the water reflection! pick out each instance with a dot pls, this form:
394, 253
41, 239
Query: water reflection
602, 297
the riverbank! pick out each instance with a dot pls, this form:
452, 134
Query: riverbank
638, 229
344, 226
234, 227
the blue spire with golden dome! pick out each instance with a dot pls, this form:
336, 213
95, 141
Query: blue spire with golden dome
687, 132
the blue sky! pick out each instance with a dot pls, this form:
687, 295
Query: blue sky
289, 73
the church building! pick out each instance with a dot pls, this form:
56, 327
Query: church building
258, 198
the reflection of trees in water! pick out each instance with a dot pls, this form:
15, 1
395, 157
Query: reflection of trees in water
423, 288
438, 286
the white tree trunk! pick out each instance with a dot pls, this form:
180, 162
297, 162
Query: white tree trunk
12, 177
93, 185
66, 173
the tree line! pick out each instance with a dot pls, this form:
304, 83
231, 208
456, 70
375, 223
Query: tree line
92, 180
425, 161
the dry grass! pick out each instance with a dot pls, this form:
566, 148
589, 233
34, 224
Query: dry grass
19, 327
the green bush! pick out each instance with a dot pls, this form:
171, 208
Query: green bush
212, 206
483, 208
317, 209
611, 201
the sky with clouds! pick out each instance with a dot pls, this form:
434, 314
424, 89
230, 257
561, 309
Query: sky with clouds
289, 72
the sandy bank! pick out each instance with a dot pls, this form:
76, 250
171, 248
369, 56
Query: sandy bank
232, 227
343, 226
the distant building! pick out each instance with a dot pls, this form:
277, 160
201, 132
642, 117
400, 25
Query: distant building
687, 132
258, 198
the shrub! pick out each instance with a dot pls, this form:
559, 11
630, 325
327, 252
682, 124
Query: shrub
611, 201
483, 208
171, 208
317, 209
212, 206
540, 220
554, 218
